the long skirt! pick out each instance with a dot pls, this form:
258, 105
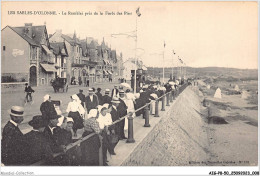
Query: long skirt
90, 150
78, 121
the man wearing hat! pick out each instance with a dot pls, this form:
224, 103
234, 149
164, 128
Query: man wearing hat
82, 97
51, 131
12, 144
115, 92
122, 111
37, 145
114, 114
106, 98
100, 97
91, 100
28, 89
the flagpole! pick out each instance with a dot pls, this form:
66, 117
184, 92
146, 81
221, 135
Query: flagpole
172, 64
163, 61
135, 55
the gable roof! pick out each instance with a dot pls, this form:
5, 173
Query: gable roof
59, 48
70, 40
36, 34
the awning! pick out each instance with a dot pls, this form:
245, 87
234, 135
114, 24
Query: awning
46, 49
144, 68
109, 72
98, 73
49, 67
105, 72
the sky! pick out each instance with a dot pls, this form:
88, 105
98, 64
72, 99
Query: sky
202, 34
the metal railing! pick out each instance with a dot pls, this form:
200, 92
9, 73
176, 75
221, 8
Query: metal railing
169, 96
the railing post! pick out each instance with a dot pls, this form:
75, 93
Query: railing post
173, 94
171, 97
146, 114
100, 152
167, 99
151, 107
156, 114
130, 129
163, 103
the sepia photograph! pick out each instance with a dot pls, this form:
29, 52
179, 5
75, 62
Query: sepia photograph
142, 83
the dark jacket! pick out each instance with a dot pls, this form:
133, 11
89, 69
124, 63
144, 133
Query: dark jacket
64, 137
106, 99
122, 108
28, 89
47, 109
91, 104
115, 116
52, 139
12, 145
82, 98
100, 98
37, 147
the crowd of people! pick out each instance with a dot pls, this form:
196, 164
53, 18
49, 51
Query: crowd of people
94, 114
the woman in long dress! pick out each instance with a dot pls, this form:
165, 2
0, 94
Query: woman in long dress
90, 147
76, 112
129, 101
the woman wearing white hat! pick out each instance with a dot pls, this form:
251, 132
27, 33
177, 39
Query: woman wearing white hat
129, 101
47, 108
76, 111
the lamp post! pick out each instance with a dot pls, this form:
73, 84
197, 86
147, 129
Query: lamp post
133, 36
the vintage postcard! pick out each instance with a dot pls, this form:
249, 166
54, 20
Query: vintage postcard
140, 83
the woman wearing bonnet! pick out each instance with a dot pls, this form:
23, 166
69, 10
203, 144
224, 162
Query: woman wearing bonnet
76, 112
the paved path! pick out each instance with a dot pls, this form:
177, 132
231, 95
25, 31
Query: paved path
16, 97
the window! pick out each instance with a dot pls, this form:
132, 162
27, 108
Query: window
4, 48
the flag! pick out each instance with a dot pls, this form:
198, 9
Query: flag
164, 44
138, 12
173, 52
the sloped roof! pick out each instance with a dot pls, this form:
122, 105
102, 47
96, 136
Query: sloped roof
70, 40
36, 34
59, 48
84, 47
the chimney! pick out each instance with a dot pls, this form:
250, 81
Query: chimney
28, 29
27, 24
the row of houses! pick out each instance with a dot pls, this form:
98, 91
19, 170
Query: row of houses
29, 54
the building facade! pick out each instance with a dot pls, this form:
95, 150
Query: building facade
26, 55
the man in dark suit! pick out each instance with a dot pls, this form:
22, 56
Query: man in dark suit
114, 114
82, 97
37, 145
122, 111
115, 92
51, 134
91, 101
106, 98
100, 97
12, 145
